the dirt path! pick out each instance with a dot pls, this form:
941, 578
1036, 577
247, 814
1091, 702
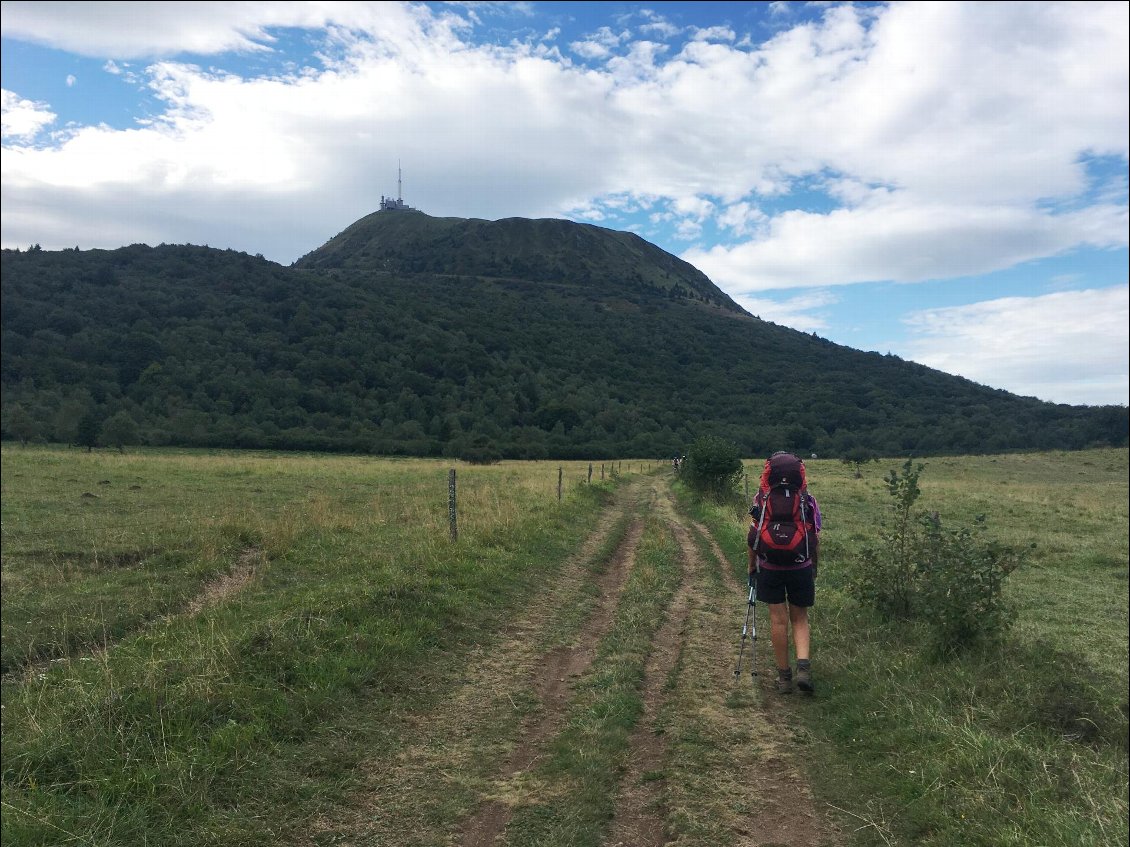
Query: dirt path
640, 819
551, 685
228, 584
782, 812
472, 759
503, 692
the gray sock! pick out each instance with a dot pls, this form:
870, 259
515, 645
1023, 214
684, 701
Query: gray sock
803, 665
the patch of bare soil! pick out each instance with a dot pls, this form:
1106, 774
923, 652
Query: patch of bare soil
226, 585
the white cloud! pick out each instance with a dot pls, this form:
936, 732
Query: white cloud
22, 119
947, 139
803, 313
657, 25
124, 30
894, 240
714, 33
741, 218
1068, 347
599, 45
71, 80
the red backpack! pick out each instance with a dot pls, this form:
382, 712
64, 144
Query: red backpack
785, 529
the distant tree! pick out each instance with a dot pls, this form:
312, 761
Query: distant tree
88, 429
66, 420
477, 449
857, 457
119, 430
21, 425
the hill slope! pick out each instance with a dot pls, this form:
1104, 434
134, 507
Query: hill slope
411, 334
547, 250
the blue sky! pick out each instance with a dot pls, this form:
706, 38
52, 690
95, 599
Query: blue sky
946, 182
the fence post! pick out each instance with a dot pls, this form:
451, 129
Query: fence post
746, 485
451, 504
602, 470
559, 474
590, 472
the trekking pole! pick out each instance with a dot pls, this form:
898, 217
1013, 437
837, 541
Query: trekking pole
750, 612
751, 608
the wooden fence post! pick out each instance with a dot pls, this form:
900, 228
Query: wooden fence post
590, 472
602, 470
451, 504
560, 472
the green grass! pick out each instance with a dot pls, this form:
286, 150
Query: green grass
178, 731
1022, 742
288, 712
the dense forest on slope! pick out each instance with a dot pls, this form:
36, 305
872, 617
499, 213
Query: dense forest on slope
544, 250
369, 347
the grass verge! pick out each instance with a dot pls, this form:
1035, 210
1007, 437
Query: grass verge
1021, 743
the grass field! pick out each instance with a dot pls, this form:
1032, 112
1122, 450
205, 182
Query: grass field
1021, 742
243, 648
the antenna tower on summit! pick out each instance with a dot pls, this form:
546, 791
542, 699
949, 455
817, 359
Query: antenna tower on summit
397, 205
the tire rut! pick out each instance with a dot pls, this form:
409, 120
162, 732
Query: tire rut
228, 584
211, 594
785, 814
392, 805
553, 691
513, 699
639, 818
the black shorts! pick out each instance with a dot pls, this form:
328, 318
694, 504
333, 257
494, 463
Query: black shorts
798, 586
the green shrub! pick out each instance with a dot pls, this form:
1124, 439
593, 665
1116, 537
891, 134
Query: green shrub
713, 468
953, 579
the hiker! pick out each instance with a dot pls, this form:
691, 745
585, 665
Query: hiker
783, 553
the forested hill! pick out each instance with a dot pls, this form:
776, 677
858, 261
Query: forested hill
415, 335
547, 250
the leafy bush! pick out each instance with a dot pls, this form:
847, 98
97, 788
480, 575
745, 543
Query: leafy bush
951, 579
713, 468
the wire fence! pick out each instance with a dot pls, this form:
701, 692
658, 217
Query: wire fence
19, 531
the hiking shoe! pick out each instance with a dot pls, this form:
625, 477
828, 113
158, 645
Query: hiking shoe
784, 684
804, 680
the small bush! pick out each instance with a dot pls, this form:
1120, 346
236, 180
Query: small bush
713, 468
951, 579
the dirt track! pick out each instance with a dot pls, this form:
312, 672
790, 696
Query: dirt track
513, 700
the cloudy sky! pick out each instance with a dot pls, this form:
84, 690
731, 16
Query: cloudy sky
946, 182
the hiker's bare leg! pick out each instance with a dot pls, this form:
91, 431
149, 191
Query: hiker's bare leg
801, 633
779, 633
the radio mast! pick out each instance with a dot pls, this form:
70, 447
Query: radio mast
388, 204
